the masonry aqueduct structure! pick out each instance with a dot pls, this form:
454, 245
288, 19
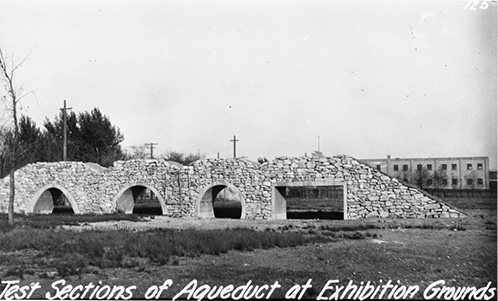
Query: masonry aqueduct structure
189, 191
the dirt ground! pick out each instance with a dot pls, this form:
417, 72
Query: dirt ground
475, 219
409, 253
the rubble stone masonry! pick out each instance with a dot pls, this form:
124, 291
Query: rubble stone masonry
186, 191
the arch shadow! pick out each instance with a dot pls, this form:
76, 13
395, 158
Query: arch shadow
126, 198
44, 199
206, 198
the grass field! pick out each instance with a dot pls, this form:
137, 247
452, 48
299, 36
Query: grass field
315, 204
474, 203
223, 251
315, 208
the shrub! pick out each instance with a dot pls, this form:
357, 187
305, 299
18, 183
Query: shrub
74, 251
50, 221
71, 264
19, 271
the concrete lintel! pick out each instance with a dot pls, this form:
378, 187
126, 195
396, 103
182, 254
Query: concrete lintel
278, 203
310, 183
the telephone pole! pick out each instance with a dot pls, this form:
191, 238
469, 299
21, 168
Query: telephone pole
151, 149
64, 118
234, 146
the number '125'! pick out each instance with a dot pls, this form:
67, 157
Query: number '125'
475, 4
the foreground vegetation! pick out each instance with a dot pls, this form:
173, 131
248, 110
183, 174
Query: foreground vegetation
461, 252
74, 253
56, 220
472, 203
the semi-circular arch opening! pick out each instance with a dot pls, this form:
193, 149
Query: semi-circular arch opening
53, 199
140, 199
222, 200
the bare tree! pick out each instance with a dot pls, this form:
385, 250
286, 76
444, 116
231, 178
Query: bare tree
440, 178
136, 152
4, 151
421, 177
13, 94
403, 175
454, 183
471, 179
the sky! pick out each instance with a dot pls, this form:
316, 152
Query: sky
362, 78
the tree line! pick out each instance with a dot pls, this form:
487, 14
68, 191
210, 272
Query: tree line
142, 152
92, 138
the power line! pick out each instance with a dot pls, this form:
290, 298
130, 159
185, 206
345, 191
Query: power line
151, 148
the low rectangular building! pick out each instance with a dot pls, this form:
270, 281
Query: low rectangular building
437, 173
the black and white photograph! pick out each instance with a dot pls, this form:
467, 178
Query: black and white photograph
248, 150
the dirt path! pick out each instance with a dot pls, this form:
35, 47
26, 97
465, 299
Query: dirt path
191, 223
476, 219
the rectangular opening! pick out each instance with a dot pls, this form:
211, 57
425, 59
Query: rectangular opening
309, 200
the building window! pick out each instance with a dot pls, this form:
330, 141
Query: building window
429, 182
419, 166
396, 168
469, 166
453, 167
444, 182
454, 181
405, 167
480, 182
470, 181
378, 167
444, 166
479, 166
429, 166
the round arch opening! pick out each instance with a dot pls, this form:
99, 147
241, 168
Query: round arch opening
54, 200
140, 199
221, 201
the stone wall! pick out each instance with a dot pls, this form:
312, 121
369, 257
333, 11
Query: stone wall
185, 191
369, 193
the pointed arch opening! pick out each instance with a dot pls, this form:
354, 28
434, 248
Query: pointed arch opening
140, 199
221, 200
53, 199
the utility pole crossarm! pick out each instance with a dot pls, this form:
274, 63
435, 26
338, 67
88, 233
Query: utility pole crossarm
64, 118
151, 149
234, 145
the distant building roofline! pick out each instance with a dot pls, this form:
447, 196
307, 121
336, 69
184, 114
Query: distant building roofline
427, 158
